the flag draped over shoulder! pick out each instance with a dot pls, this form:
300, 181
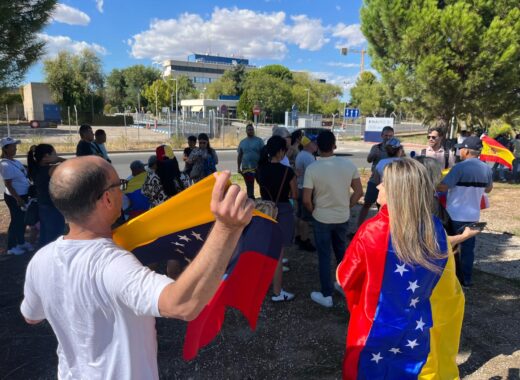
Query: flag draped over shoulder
405, 321
178, 228
493, 151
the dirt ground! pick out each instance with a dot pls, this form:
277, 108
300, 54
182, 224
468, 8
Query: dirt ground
296, 340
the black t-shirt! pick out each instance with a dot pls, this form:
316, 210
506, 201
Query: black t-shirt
269, 178
169, 173
41, 182
84, 148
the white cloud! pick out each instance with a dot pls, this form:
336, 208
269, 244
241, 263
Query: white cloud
226, 31
55, 44
99, 5
307, 33
338, 8
348, 35
346, 82
344, 65
69, 15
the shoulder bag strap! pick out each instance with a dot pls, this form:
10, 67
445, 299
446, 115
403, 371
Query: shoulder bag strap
281, 185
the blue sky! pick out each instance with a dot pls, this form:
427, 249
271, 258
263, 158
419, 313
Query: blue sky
302, 35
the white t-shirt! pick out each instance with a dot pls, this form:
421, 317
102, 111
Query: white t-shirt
330, 178
101, 303
15, 171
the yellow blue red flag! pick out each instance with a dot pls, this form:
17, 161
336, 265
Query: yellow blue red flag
177, 230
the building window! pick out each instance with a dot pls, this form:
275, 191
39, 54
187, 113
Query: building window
201, 80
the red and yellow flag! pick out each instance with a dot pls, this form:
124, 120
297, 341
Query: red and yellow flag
493, 151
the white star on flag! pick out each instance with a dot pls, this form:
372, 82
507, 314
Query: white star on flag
376, 357
414, 302
395, 350
184, 237
420, 325
179, 250
412, 343
197, 236
178, 244
401, 269
413, 286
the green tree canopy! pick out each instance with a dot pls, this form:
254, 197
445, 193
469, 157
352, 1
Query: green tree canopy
137, 77
165, 91
20, 47
369, 95
447, 58
76, 79
271, 93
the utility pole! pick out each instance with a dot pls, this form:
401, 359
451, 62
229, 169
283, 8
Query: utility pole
7, 118
308, 98
345, 51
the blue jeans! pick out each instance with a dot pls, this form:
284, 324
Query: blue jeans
52, 224
516, 174
327, 236
467, 254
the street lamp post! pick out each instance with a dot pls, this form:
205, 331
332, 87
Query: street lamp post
308, 98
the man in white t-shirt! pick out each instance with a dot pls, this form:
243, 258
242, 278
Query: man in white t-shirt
466, 183
98, 298
326, 193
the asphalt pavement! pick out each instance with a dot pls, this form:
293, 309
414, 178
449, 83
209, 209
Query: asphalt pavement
227, 159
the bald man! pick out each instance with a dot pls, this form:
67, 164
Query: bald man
98, 298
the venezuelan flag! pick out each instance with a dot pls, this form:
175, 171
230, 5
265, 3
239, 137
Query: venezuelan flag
405, 321
178, 228
493, 151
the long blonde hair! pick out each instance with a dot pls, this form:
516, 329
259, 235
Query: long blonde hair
409, 194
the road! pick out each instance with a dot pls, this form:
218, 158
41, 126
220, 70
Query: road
227, 160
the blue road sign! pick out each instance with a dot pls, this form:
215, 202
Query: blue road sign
351, 113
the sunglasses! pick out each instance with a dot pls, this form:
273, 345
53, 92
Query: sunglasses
120, 183
433, 137
203, 142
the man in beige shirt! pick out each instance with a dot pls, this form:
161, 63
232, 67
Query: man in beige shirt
436, 148
326, 194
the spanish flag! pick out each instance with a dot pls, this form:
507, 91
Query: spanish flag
405, 321
493, 151
177, 230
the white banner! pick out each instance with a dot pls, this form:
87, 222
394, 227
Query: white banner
376, 124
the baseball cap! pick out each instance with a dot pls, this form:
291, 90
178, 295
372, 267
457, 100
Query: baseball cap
282, 132
471, 142
393, 143
306, 141
137, 164
8, 141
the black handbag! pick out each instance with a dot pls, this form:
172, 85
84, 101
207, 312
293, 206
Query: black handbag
31, 212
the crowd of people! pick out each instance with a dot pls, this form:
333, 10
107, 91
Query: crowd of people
423, 216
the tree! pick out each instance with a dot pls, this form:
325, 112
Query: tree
115, 92
323, 97
164, 91
271, 93
369, 95
447, 58
230, 83
76, 80
20, 46
136, 78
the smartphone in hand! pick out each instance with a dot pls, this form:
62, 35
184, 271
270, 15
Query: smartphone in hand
474, 226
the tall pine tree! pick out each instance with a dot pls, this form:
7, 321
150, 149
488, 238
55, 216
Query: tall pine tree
20, 47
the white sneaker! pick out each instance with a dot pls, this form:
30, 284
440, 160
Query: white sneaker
283, 296
285, 260
338, 288
27, 246
16, 251
285, 269
323, 301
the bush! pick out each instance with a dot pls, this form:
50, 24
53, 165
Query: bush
500, 128
115, 121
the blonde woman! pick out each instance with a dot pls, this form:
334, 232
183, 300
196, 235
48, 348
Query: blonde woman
400, 264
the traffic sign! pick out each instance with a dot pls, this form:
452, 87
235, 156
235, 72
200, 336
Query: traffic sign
223, 109
256, 110
351, 113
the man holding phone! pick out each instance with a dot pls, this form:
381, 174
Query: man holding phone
466, 183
